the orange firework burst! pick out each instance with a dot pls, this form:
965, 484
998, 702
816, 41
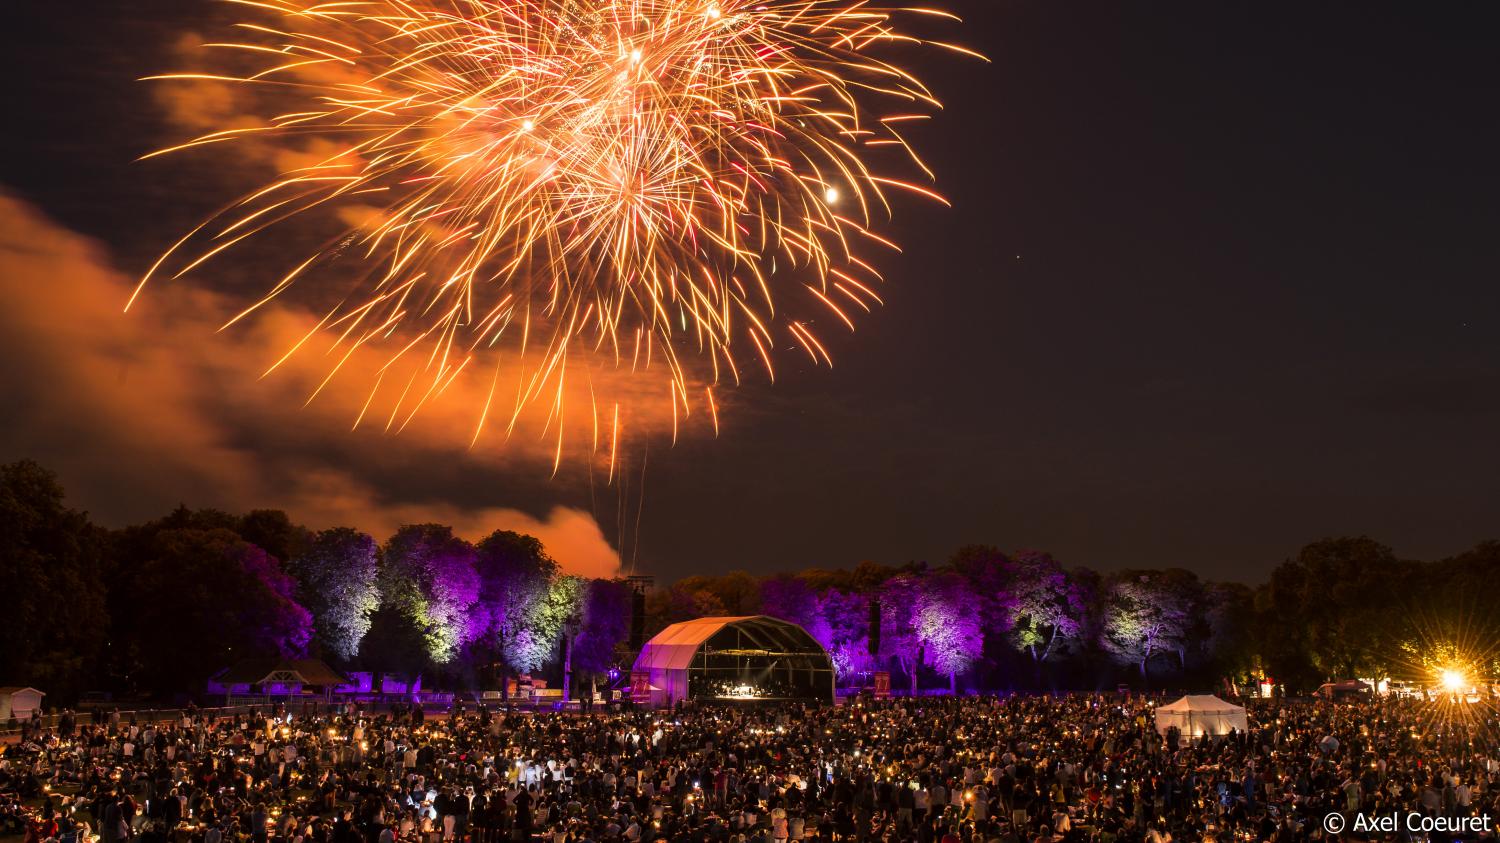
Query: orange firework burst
668, 185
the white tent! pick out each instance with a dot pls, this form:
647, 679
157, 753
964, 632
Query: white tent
1196, 715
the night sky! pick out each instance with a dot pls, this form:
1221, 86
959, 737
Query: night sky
1218, 280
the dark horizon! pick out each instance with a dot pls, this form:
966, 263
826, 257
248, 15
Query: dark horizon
1217, 282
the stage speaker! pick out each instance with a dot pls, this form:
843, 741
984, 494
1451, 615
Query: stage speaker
874, 634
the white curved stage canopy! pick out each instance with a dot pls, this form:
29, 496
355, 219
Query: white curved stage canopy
735, 659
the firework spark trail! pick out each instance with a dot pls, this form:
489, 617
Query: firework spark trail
661, 183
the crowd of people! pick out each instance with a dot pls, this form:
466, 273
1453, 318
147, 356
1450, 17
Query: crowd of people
1020, 769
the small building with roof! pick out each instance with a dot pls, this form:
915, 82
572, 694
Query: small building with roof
275, 677
19, 702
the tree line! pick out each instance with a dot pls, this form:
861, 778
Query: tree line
1341, 608
156, 608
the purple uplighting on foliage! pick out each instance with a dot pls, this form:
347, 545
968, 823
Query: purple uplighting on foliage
338, 575
287, 627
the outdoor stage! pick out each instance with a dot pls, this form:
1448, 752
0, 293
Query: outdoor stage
742, 661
